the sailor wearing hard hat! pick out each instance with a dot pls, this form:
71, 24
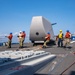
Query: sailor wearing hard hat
9, 39
60, 39
67, 38
20, 39
47, 40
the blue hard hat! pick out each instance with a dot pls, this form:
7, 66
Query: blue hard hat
48, 33
23, 31
11, 33
67, 31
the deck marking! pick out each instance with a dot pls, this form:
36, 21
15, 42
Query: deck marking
17, 68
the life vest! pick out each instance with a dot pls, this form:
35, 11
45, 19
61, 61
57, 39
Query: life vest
60, 35
47, 37
23, 35
10, 36
20, 35
67, 35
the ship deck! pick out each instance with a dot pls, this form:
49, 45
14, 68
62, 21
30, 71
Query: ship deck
63, 64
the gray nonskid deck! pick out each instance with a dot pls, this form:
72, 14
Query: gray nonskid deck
64, 63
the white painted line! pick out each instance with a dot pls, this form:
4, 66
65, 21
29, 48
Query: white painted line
53, 66
38, 60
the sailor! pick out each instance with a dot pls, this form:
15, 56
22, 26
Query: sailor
9, 39
23, 37
47, 40
67, 38
60, 39
20, 39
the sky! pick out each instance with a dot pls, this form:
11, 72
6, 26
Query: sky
16, 15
